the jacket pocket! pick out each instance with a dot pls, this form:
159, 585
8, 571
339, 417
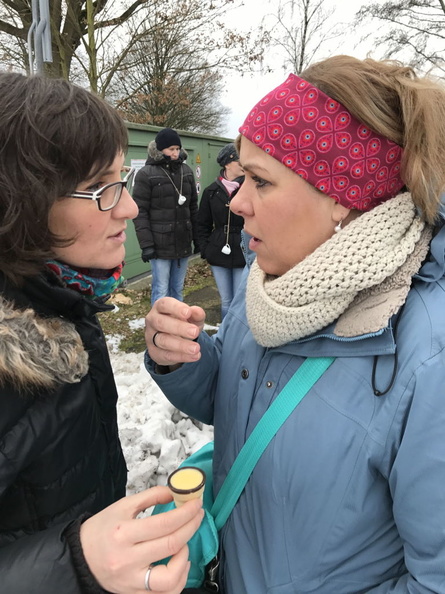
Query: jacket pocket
162, 234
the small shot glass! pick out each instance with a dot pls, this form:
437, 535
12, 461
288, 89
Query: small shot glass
186, 483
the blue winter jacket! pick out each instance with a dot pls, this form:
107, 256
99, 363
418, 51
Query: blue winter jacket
349, 497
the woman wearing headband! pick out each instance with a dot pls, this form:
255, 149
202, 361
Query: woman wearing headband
342, 197
65, 523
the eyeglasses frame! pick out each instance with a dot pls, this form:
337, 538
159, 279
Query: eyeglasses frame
96, 195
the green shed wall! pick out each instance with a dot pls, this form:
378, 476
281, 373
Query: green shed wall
202, 150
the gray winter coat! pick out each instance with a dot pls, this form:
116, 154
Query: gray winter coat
349, 497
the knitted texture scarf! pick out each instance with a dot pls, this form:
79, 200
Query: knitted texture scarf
360, 277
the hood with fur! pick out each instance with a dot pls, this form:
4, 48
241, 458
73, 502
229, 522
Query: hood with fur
38, 352
157, 156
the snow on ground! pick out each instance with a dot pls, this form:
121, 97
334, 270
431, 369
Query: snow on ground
155, 436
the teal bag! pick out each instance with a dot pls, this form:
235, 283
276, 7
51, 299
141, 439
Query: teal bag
203, 547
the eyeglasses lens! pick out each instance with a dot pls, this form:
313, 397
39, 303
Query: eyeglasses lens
110, 197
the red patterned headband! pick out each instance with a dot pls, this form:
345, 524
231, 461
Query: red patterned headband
319, 139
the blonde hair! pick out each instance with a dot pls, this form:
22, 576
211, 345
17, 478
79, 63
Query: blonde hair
393, 101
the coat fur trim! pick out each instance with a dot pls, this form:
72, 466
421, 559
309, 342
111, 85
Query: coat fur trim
157, 155
37, 352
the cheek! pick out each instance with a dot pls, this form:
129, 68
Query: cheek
75, 220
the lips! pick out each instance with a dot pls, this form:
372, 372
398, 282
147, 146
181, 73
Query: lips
254, 237
121, 236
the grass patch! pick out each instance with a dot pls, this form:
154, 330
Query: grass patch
134, 304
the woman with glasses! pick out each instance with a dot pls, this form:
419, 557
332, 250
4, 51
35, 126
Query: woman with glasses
65, 523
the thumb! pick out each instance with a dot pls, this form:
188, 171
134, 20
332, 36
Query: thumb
197, 316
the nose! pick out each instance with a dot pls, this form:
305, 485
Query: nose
240, 203
126, 208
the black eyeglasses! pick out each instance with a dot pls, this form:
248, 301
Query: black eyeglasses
108, 196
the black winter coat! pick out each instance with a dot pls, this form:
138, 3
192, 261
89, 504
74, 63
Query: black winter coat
213, 218
162, 223
60, 455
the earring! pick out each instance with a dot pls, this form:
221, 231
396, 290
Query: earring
337, 227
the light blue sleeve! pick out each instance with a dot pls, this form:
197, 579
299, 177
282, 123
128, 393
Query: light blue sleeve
191, 388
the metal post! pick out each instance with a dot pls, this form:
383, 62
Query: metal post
40, 31
47, 51
33, 27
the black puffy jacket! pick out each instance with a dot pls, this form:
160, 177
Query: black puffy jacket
214, 220
60, 455
162, 223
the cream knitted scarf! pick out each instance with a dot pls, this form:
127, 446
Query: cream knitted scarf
359, 277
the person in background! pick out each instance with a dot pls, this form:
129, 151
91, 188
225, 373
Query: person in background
167, 223
65, 523
219, 229
344, 174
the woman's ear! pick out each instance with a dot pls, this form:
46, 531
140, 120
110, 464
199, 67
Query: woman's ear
339, 213
342, 214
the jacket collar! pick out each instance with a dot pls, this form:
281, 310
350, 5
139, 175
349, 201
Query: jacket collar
325, 343
39, 347
433, 268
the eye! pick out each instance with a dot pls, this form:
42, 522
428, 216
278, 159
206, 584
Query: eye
96, 186
259, 181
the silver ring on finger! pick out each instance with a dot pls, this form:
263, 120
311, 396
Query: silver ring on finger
147, 578
154, 339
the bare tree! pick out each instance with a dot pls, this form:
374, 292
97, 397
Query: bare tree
189, 102
69, 24
415, 31
159, 62
299, 29
171, 75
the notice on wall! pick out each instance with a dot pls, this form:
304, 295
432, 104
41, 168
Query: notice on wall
198, 158
198, 172
137, 163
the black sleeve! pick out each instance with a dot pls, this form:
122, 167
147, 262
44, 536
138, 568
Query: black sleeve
194, 210
142, 197
41, 562
205, 221
87, 581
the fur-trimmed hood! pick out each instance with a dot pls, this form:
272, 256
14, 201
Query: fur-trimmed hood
38, 352
156, 156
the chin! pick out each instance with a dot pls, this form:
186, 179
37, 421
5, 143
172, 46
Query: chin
110, 266
271, 269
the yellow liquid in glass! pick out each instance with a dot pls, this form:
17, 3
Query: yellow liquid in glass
186, 478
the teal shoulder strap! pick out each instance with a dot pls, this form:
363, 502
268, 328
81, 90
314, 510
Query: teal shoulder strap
286, 401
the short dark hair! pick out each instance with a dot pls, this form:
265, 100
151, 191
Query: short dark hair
53, 136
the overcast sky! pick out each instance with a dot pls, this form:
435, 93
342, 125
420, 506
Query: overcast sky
242, 92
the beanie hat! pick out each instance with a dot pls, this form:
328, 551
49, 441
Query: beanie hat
227, 154
167, 137
320, 140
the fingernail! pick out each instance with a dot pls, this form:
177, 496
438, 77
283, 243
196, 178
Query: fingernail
193, 349
192, 331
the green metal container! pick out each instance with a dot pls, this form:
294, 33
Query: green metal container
202, 150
